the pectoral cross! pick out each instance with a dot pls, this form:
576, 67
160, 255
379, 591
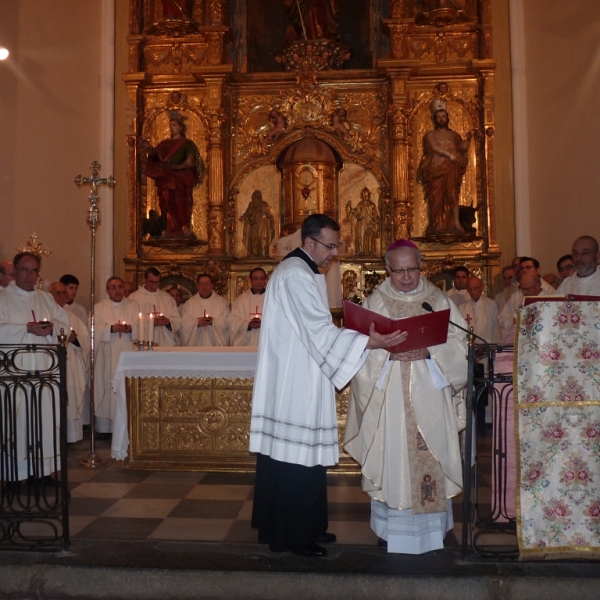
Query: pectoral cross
468, 319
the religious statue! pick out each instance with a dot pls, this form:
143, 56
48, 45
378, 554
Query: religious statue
259, 226
278, 123
441, 170
312, 19
177, 168
365, 224
340, 123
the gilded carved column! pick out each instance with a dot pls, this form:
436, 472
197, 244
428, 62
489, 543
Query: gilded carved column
216, 187
401, 205
489, 128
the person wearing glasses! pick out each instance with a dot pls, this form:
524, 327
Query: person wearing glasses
586, 279
30, 316
405, 413
302, 355
565, 267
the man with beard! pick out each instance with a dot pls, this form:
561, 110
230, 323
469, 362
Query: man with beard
443, 164
586, 279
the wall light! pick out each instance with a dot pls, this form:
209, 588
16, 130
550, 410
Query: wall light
3, 53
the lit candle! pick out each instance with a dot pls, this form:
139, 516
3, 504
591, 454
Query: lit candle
140, 327
119, 323
205, 313
151, 327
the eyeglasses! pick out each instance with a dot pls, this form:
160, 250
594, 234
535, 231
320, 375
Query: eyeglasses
526, 267
405, 271
26, 271
566, 268
328, 246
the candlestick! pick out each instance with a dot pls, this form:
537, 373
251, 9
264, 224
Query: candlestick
150, 336
141, 328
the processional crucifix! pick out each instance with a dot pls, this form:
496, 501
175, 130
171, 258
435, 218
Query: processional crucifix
93, 218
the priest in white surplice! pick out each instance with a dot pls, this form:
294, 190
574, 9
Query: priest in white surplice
115, 323
246, 313
78, 357
405, 413
479, 311
152, 300
458, 294
586, 279
72, 285
30, 316
205, 316
302, 355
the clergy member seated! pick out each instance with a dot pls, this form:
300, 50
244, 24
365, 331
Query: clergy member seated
586, 279
205, 320
116, 320
30, 316
161, 306
246, 312
78, 357
405, 413
458, 294
72, 285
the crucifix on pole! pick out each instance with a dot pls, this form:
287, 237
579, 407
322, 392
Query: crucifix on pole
93, 218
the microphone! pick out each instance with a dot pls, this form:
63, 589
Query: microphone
429, 308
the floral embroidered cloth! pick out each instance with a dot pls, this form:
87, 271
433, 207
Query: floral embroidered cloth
557, 385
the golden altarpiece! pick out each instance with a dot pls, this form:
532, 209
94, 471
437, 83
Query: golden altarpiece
297, 107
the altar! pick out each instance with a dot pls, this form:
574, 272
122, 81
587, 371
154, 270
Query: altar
189, 409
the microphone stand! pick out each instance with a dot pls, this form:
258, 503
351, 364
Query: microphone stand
468, 452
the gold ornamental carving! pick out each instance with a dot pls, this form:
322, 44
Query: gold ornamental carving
358, 123
196, 423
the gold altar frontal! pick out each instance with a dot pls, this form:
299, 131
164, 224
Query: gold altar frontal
199, 424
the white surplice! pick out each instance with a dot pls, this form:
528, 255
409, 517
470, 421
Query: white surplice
159, 302
377, 425
17, 309
458, 296
502, 297
79, 310
108, 348
508, 316
302, 355
480, 315
78, 364
216, 334
581, 286
245, 305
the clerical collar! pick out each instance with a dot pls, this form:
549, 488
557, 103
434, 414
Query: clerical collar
261, 292
115, 304
305, 256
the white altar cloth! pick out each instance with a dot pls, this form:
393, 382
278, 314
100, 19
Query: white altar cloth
174, 362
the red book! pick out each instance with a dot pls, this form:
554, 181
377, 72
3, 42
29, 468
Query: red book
424, 331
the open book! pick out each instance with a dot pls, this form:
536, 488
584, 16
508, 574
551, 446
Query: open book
428, 329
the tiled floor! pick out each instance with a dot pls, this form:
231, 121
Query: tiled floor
114, 503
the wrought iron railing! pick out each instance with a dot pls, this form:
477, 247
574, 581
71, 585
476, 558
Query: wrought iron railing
33, 448
483, 515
